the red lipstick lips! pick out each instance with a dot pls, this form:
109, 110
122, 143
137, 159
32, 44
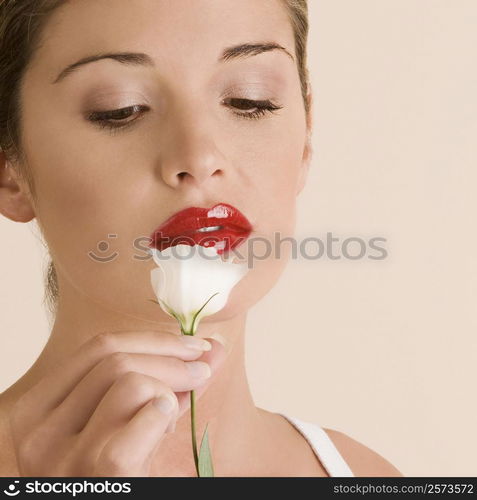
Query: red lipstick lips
222, 226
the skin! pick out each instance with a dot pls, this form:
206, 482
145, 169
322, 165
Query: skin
188, 149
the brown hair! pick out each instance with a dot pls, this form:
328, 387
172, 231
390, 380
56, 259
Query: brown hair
21, 25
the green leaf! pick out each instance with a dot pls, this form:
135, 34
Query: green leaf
206, 469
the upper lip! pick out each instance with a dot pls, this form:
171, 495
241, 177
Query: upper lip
189, 220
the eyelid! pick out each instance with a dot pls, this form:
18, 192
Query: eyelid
106, 96
245, 92
134, 108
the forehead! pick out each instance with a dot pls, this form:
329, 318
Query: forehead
174, 32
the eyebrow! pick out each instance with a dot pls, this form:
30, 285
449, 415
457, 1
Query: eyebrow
141, 59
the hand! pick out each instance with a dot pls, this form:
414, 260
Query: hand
95, 414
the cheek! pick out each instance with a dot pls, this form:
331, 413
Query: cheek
90, 216
77, 197
273, 158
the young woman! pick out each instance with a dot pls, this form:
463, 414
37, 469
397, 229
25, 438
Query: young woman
115, 117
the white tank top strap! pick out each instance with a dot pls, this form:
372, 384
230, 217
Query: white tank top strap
323, 446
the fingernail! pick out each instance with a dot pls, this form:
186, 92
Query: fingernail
164, 404
219, 338
198, 369
196, 343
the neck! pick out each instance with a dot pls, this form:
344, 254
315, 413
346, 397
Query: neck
227, 405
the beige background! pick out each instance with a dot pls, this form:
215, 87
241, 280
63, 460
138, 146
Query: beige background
385, 351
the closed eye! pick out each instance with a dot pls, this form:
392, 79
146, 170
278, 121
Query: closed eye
120, 118
256, 109
117, 118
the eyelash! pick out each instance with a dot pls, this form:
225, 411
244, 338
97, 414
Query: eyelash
109, 119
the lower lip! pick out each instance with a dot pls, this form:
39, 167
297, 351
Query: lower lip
224, 239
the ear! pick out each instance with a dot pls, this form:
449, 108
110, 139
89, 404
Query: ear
308, 150
15, 203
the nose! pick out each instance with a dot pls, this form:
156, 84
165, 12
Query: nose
190, 156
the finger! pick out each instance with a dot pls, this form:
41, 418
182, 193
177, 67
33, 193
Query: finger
127, 395
78, 407
54, 387
130, 449
132, 390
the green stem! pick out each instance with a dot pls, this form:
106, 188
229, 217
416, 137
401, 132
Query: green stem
192, 420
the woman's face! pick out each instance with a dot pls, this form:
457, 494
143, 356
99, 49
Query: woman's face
95, 184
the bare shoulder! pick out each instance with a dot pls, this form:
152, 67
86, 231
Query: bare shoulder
363, 461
